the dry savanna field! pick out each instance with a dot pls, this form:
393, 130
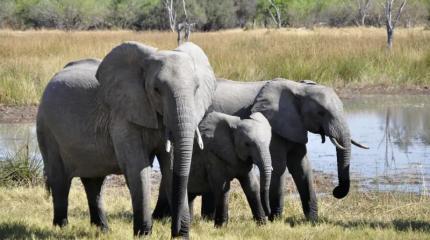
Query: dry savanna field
26, 213
344, 57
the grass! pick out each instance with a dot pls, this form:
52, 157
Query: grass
338, 57
26, 213
21, 169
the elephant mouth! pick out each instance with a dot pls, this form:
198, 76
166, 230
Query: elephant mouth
321, 132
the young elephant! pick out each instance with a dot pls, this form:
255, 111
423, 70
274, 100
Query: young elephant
232, 146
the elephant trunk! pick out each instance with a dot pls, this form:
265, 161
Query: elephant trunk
265, 166
183, 129
342, 136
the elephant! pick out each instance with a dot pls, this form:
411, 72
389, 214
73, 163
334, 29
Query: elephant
293, 109
232, 146
113, 116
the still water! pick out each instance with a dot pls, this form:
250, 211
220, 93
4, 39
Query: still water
396, 128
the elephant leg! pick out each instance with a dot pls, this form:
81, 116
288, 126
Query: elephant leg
278, 152
299, 166
251, 189
60, 193
221, 207
93, 188
134, 160
208, 206
162, 208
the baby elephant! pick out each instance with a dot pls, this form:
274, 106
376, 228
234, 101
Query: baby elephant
232, 146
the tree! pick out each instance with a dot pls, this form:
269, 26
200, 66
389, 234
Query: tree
171, 13
363, 8
389, 23
245, 11
277, 16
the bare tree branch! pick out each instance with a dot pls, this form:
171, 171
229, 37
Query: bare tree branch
390, 25
168, 4
277, 20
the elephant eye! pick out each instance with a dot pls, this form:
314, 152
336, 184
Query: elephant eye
157, 90
321, 113
247, 144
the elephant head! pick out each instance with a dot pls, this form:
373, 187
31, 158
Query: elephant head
166, 90
294, 108
241, 140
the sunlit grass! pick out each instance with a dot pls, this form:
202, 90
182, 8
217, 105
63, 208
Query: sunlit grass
337, 57
27, 213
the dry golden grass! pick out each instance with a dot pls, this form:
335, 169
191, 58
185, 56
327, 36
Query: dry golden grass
26, 213
337, 57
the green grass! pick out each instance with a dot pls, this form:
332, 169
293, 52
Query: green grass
26, 213
21, 169
340, 57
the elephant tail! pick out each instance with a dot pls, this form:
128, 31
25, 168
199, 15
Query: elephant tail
41, 139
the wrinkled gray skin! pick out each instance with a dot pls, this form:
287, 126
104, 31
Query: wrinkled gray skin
232, 146
113, 117
293, 109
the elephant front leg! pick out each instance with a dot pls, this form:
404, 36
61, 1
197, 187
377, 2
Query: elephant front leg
299, 166
278, 151
162, 208
221, 205
135, 163
251, 189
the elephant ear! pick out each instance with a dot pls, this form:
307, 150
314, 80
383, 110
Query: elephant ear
217, 133
205, 77
277, 101
122, 79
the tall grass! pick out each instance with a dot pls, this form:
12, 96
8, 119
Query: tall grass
21, 169
338, 57
26, 213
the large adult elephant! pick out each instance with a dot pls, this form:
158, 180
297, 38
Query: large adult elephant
113, 117
293, 109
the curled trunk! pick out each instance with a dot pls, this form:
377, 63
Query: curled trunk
341, 133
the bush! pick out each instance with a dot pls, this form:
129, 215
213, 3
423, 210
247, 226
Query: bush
21, 169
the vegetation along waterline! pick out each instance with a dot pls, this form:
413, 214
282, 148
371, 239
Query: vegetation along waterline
341, 57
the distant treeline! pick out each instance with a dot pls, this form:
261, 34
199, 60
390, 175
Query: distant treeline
206, 14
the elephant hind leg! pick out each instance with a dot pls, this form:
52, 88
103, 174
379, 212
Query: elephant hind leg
60, 187
93, 188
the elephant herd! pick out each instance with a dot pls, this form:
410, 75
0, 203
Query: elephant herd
116, 115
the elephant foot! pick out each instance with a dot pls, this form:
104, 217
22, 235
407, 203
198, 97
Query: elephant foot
61, 222
220, 223
312, 217
142, 231
102, 226
260, 221
274, 216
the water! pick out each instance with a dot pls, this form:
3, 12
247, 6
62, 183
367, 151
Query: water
396, 128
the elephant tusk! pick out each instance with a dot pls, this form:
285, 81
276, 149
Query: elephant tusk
199, 139
359, 144
168, 145
322, 138
334, 141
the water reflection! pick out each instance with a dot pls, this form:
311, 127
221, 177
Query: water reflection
394, 127
398, 133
